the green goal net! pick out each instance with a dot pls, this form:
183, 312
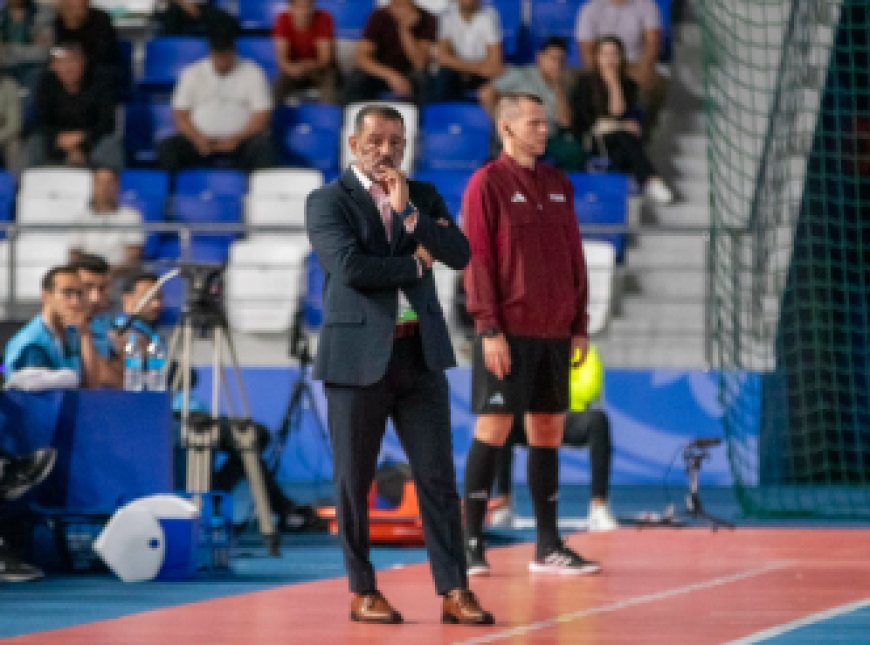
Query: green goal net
788, 110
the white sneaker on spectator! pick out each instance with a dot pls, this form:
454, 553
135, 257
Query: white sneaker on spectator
600, 519
658, 191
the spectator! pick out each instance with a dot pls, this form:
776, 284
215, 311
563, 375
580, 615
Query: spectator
394, 54
305, 49
92, 29
188, 17
547, 79
74, 120
56, 344
10, 122
25, 36
605, 106
222, 109
122, 247
638, 24
94, 274
469, 49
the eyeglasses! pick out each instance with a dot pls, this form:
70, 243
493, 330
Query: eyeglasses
71, 293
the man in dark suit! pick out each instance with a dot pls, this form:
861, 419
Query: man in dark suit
383, 351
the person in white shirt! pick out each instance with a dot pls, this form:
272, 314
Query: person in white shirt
469, 49
121, 247
222, 108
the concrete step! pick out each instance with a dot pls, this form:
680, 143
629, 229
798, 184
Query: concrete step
691, 167
652, 353
667, 285
682, 213
687, 312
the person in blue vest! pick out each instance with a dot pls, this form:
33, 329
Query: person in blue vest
58, 339
95, 275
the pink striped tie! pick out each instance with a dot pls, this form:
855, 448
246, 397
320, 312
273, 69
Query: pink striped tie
382, 201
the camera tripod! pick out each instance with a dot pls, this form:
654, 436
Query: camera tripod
301, 394
202, 314
694, 454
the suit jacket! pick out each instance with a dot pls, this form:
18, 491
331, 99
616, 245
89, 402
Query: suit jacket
364, 272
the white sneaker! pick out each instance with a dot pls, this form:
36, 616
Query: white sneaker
658, 191
600, 519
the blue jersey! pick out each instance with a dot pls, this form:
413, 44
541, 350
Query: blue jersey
35, 345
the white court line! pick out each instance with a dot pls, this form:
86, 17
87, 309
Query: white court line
625, 603
773, 632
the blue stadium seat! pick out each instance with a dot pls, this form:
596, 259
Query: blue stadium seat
7, 198
146, 190
441, 115
207, 182
450, 184
166, 56
261, 50
511, 14
349, 15
602, 199
667, 34
454, 136
309, 135
145, 125
216, 208
259, 14
556, 18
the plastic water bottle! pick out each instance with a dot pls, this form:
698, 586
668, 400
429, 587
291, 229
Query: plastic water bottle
155, 365
134, 373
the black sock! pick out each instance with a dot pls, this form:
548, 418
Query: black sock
543, 476
479, 473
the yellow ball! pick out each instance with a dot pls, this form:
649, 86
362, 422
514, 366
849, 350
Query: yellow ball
587, 380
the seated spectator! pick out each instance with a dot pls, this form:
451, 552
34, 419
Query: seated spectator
291, 516
305, 49
394, 54
548, 79
57, 342
92, 29
121, 247
638, 24
605, 105
188, 17
469, 49
585, 424
74, 114
222, 109
95, 278
17, 476
25, 36
10, 122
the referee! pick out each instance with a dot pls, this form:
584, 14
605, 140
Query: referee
526, 292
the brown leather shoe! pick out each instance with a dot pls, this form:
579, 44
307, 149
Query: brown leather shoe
461, 608
372, 607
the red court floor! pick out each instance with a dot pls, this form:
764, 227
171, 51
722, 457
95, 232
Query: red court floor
658, 586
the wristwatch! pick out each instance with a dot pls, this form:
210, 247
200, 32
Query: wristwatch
490, 332
409, 210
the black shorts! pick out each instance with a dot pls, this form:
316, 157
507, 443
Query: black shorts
538, 380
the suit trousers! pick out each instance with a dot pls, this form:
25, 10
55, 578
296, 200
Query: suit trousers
417, 400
